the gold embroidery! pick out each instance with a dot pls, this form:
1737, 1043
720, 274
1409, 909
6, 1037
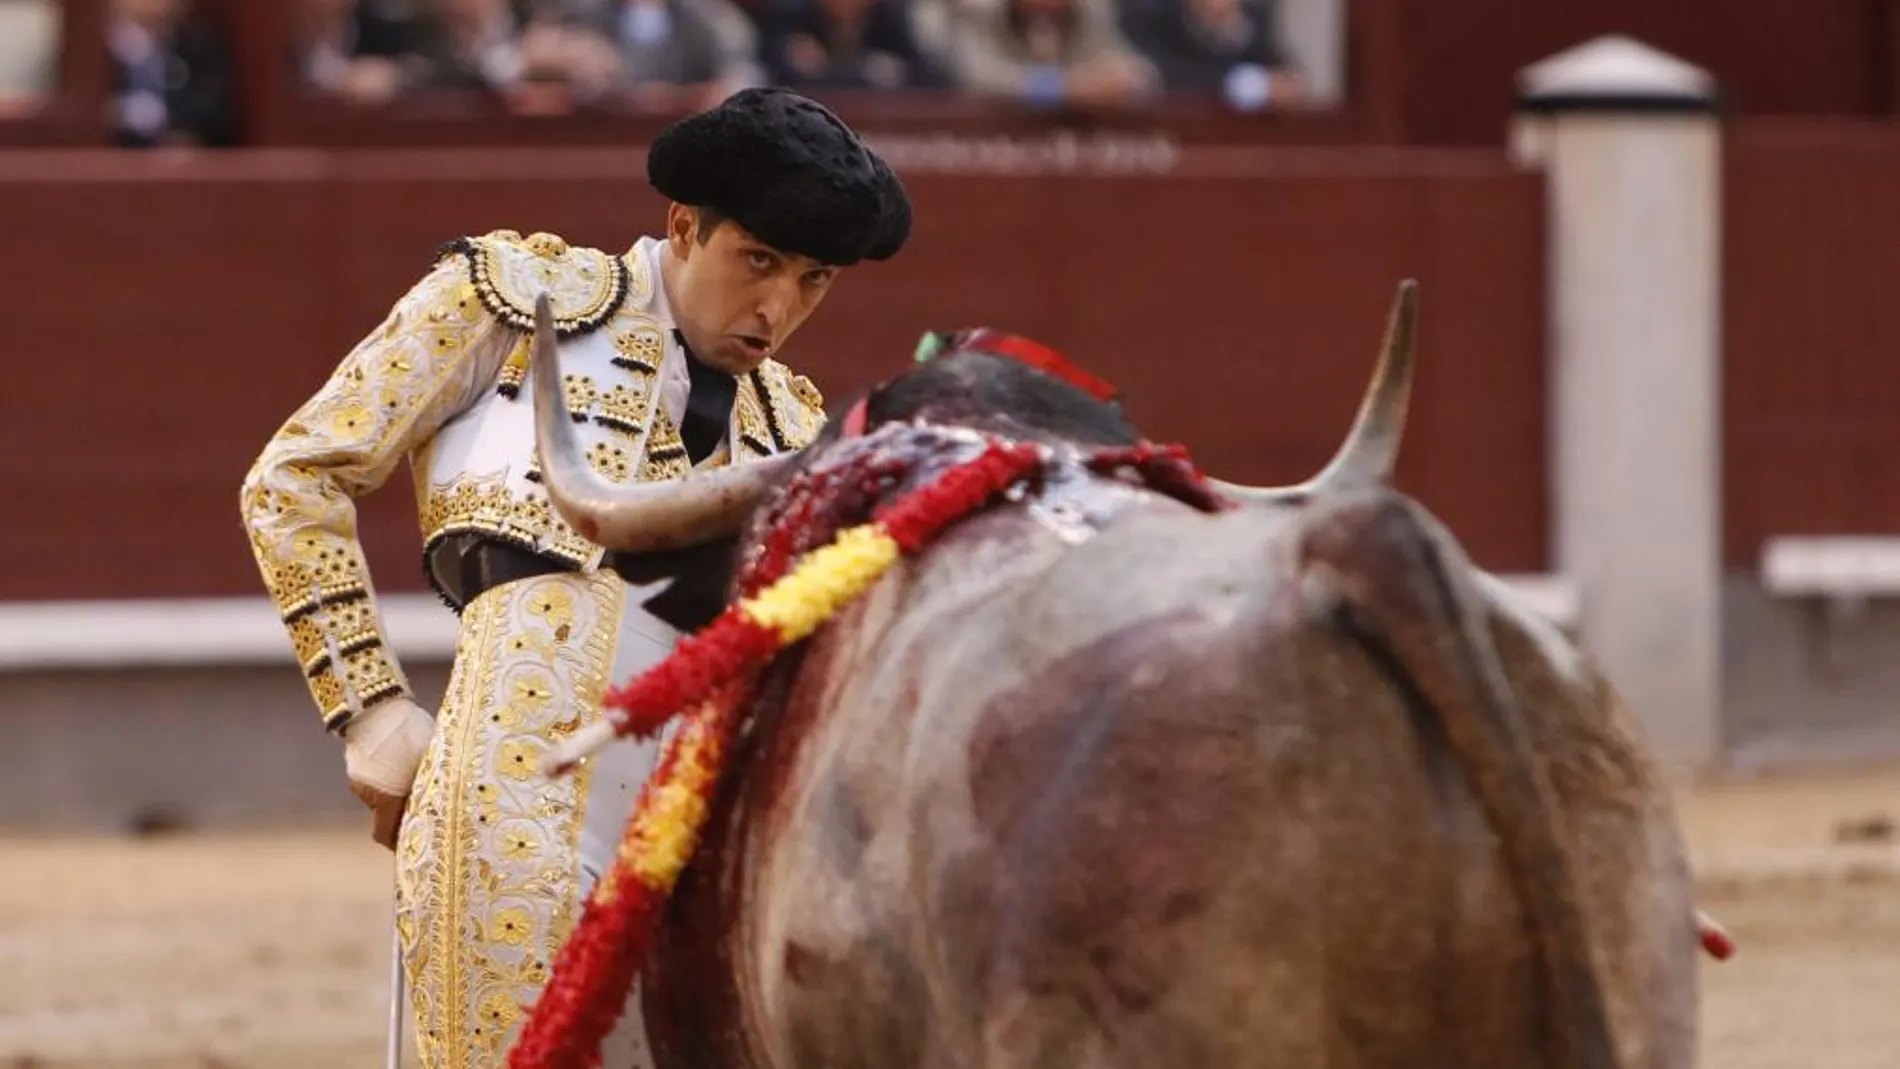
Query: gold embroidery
621, 407
310, 644
795, 412
332, 702
434, 844
371, 674
315, 567
478, 506
514, 370
385, 398
610, 461
666, 466
546, 246
579, 392
489, 857
754, 432
641, 348
666, 453
585, 287
354, 624
806, 391
624, 407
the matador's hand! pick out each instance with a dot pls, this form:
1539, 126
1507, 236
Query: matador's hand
382, 748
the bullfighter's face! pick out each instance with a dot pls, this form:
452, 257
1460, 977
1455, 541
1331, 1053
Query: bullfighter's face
737, 299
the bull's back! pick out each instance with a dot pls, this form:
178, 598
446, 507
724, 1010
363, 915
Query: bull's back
1213, 837
1228, 834
1126, 803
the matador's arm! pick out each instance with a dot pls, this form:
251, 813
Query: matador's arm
429, 359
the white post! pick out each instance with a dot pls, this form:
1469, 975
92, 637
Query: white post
1631, 147
1315, 34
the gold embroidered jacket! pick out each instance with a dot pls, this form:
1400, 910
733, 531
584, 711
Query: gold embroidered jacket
442, 381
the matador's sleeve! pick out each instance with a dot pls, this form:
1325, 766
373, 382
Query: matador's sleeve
433, 355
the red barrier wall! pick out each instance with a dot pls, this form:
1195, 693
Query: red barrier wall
165, 317
1448, 68
1811, 395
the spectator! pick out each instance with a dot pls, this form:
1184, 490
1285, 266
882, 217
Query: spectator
29, 50
1231, 47
843, 44
503, 47
350, 49
1048, 53
738, 31
171, 75
673, 54
930, 26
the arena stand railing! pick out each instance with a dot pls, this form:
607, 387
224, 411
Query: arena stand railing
273, 114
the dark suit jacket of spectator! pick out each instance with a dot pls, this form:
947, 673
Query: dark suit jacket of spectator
886, 29
1190, 61
436, 65
374, 32
196, 74
371, 31
689, 54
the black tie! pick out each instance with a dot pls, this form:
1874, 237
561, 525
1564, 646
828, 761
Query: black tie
708, 405
697, 593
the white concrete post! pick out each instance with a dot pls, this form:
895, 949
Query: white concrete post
1315, 32
1630, 144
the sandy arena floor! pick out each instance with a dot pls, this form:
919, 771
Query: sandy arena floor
272, 952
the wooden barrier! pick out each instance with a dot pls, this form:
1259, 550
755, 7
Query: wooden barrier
1446, 69
474, 119
166, 315
1812, 249
140, 633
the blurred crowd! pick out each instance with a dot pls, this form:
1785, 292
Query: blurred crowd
174, 83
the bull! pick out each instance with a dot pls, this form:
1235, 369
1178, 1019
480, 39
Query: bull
1105, 779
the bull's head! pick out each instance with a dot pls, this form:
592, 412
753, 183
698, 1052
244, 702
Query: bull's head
705, 506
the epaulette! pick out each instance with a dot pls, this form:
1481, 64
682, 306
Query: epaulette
795, 410
587, 286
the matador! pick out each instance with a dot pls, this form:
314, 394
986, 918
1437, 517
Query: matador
668, 359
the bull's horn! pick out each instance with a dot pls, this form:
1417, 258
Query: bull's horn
642, 516
1371, 449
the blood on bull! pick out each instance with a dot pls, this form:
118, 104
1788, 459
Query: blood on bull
1108, 776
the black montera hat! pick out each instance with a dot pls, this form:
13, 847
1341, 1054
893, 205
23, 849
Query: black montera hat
789, 171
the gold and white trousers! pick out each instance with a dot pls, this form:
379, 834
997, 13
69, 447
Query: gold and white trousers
494, 860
